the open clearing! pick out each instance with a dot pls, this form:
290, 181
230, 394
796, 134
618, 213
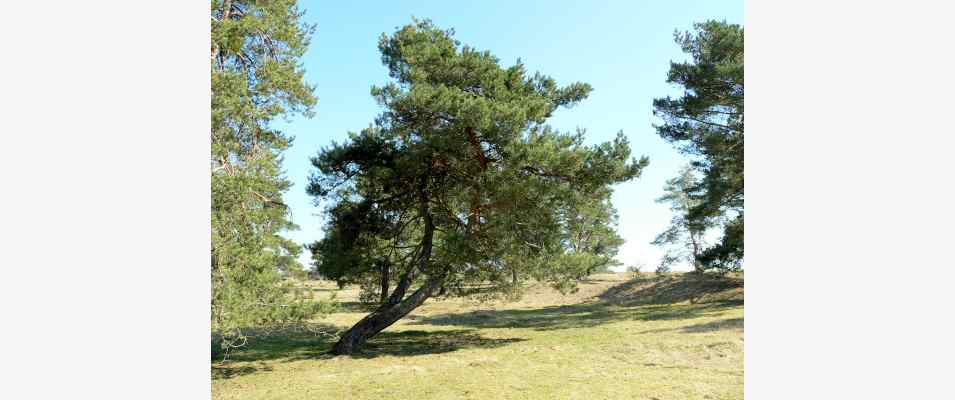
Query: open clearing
619, 337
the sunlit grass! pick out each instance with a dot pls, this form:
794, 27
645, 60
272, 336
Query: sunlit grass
672, 337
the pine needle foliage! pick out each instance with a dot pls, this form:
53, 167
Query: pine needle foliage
706, 123
256, 78
459, 182
683, 239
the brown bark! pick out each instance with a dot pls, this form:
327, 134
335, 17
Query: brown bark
384, 282
474, 213
383, 317
476, 147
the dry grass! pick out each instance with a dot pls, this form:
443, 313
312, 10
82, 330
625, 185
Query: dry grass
670, 337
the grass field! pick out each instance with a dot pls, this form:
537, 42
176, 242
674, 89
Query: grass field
619, 337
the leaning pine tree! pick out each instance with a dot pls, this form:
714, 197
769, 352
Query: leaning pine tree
256, 78
459, 182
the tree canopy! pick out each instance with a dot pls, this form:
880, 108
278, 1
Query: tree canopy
255, 79
706, 122
459, 181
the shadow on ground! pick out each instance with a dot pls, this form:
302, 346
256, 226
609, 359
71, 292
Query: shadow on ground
642, 298
712, 326
574, 316
670, 289
305, 346
354, 307
732, 323
645, 298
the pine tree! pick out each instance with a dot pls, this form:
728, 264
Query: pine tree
255, 79
683, 239
707, 124
459, 181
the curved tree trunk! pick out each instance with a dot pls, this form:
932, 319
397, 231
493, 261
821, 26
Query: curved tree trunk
397, 306
383, 317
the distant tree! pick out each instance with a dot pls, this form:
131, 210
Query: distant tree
683, 239
256, 78
635, 269
706, 122
664, 266
592, 235
459, 181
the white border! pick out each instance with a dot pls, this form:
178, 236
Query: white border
849, 199
105, 200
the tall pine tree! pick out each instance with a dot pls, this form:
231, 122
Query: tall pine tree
256, 78
706, 122
459, 181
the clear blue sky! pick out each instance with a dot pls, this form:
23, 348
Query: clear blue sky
621, 48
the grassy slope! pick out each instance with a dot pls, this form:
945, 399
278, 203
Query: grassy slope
617, 337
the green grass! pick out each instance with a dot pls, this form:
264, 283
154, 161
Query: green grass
671, 337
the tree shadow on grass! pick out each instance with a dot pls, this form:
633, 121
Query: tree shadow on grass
295, 347
732, 323
414, 343
573, 316
225, 371
643, 298
712, 326
670, 289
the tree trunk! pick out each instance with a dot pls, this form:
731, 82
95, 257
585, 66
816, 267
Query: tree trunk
384, 283
383, 317
696, 254
474, 213
396, 307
